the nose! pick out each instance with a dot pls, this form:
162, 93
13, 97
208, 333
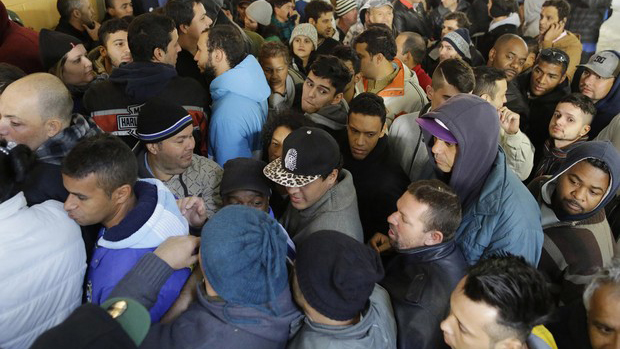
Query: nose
4, 130
579, 193
445, 325
359, 140
69, 204
437, 147
292, 190
392, 219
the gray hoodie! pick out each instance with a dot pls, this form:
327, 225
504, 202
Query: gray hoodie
331, 116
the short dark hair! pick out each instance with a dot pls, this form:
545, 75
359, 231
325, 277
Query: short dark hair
367, 103
503, 7
562, 6
486, 78
582, 102
347, 53
287, 118
65, 7
112, 26
414, 44
455, 72
444, 207
108, 3
181, 11
14, 168
378, 39
514, 288
274, 49
228, 39
105, 155
332, 69
316, 8
554, 56
148, 32
460, 17
532, 43
278, 3
9, 74
600, 164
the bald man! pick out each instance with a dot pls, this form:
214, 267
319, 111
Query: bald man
36, 112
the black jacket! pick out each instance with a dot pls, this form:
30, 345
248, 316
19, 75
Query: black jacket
420, 281
64, 27
187, 67
486, 41
569, 328
408, 20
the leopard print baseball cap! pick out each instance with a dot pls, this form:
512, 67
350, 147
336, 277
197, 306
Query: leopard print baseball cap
308, 153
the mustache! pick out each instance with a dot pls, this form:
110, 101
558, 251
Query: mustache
574, 203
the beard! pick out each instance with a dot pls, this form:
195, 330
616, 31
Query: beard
209, 73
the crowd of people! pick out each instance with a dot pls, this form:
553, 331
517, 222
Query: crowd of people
310, 174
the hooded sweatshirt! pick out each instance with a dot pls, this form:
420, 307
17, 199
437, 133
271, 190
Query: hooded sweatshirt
239, 112
576, 245
154, 218
331, 118
606, 108
499, 214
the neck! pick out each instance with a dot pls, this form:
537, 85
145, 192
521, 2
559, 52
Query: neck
108, 65
324, 320
563, 143
188, 44
304, 61
343, 26
121, 212
497, 19
76, 23
385, 70
158, 171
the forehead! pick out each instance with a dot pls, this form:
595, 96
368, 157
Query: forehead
548, 67
87, 185
326, 15
446, 44
605, 305
117, 35
244, 194
569, 108
474, 316
589, 174
550, 11
380, 10
515, 46
451, 23
324, 82
118, 3
76, 51
275, 61
365, 123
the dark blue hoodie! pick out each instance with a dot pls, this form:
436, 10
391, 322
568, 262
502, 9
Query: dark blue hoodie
607, 107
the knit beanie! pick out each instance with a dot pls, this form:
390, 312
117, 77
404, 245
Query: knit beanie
336, 273
459, 39
308, 30
159, 120
260, 11
243, 254
54, 45
344, 6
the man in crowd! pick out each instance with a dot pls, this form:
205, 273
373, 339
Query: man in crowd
455, 44
239, 91
504, 20
500, 303
322, 95
372, 12
243, 296
568, 129
344, 306
117, 9
320, 14
166, 152
543, 88
346, 15
379, 181
578, 239
285, 82
114, 49
491, 85
243, 183
191, 20
352, 61
509, 54
114, 104
599, 80
411, 49
410, 16
553, 18
100, 174
321, 193
284, 17
499, 214
36, 111
387, 77
426, 259
77, 18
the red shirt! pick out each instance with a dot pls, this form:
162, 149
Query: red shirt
423, 78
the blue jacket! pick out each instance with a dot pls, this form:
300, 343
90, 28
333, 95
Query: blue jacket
155, 218
504, 218
239, 110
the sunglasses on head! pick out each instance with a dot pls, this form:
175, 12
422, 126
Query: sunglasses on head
555, 55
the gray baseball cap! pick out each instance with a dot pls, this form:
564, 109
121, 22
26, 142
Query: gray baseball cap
605, 64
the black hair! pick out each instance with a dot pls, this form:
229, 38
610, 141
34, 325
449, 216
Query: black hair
274, 49
181, 11
455, 72
65, 7
108, 3
444, 207
105, 155
9, 74
562, 6
367, 103
460, 17
347, 53
378, 39
582, 102
486, 78
228, 39
333, 69
514, 288
278, 3
554, 56
288, 118
600, 164
148, 32
501, 8
112, 26
415, 44
14, 168
316, 8
532, 43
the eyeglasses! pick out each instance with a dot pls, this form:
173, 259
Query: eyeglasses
554, 55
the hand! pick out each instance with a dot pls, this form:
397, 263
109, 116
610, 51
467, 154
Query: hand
380, 242
186, 297
194, 210
93, 33
509, 121
295, 13
179, 251
554, 31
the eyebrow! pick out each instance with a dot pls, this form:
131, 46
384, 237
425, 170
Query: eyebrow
323, 86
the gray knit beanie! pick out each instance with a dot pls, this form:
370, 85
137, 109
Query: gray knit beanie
308, 30
459, 39
260, 11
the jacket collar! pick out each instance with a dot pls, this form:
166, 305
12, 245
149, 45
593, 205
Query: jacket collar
397, 86
428, 253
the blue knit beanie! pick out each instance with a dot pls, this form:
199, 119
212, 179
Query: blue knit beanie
243, 252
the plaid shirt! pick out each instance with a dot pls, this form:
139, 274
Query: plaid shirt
285, 28
56, 148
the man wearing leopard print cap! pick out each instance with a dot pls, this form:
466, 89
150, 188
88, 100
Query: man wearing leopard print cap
321, 192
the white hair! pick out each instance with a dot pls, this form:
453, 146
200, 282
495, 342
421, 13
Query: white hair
610, 275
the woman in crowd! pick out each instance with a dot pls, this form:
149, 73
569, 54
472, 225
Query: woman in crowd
304, 41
